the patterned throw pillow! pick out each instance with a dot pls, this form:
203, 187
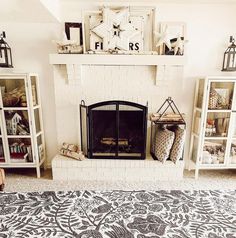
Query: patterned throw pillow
178, 146
163, 142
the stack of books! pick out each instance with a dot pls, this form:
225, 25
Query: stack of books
20, 152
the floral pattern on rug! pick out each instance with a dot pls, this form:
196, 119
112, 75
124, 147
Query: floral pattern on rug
119, 214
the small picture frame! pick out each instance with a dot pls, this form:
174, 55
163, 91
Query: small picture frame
74, 32
174, 31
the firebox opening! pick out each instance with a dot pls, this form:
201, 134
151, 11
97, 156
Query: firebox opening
117, 129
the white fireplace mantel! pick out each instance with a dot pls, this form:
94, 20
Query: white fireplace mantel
74, 62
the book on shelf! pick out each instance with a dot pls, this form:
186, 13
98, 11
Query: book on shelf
21, 151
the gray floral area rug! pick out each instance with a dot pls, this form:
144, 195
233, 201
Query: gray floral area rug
119, 214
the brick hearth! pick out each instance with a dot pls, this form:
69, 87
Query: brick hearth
126, 170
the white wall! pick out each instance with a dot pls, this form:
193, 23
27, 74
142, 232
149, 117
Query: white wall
31, 44
208, 29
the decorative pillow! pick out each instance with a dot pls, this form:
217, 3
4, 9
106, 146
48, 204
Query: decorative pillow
163, 142
153, 142
178, 146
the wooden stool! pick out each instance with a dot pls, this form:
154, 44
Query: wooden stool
2, 179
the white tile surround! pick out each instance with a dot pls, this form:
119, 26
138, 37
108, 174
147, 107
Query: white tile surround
64, 168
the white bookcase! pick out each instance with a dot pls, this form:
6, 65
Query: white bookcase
22, 142
213, 137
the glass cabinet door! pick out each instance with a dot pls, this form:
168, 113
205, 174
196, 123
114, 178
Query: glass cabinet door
232, 153
17, 122
34, 90
2, 156
220, 95
13, 92
214, 152
37, 117
16, 119
232, 156
201, 87
217, 124
20, 150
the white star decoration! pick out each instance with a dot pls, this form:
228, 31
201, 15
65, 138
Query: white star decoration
64, 41
178, 46
115, 30
162, 38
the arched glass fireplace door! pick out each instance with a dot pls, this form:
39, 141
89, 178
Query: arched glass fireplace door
114, 130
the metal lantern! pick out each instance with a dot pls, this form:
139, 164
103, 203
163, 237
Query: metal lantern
5, 52
229, 63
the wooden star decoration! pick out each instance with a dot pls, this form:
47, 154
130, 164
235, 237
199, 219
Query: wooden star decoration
121, 41
115, 30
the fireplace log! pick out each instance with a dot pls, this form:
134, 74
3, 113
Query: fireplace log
112, 141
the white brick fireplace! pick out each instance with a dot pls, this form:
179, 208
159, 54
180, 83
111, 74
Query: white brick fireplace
95, 83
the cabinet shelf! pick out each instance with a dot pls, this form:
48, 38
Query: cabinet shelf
194, 134
36, 107
18, 136
39, 133
215, 138
212, 166
15, 108
198, 109
18, 165
219, 110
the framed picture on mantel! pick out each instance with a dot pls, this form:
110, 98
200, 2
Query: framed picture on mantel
74, 32
175, 38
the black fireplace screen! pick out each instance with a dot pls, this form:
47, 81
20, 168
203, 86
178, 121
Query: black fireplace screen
114, 129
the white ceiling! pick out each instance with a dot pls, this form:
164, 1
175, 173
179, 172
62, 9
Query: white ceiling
49, 10
155, 1
24, 11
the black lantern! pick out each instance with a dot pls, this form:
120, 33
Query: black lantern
5, 52
229, 63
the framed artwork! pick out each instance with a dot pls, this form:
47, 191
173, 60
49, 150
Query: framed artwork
223, 97
233, 150
118, 29
74, 32
171, 38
